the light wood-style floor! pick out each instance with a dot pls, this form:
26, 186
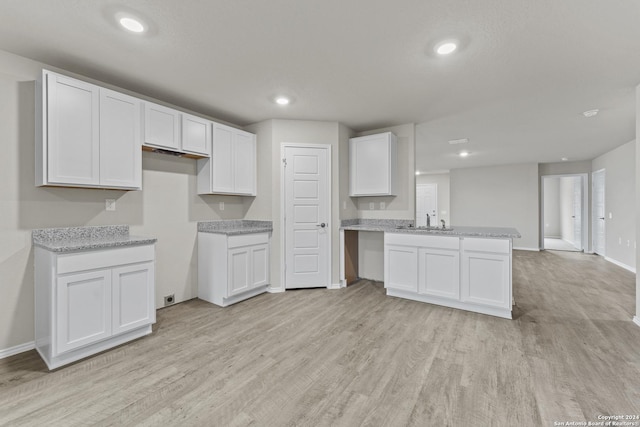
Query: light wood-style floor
356, 357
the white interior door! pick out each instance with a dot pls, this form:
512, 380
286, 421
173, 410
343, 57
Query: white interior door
426, 203
307, 213
577, 213
598, 214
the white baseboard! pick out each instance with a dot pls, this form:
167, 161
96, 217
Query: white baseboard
636, 320
619, 264
527, 249
275, 290
17, 349
335, 286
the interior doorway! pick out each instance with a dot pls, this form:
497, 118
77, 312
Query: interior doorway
426, 204
598, 211
564, 212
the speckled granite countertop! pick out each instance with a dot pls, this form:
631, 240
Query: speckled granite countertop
235, 226
402, 226
75, 239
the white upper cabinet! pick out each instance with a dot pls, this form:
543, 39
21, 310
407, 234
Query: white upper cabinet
88, 136
72, 131
120, 154
161, 126
172, 130
196, 135
372, 165
232, 166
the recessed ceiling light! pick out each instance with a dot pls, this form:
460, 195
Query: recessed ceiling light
282, 100
591, 113
446, 47
132, 24
564, 159
417, 172
463, 153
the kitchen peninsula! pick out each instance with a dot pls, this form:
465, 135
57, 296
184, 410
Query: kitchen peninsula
463, 267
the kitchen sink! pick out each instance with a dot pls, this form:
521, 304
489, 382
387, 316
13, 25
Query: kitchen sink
434, 228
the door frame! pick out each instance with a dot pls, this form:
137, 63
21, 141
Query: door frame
283, 210
593, 216
587, 247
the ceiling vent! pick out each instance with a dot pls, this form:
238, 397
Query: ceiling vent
458, 141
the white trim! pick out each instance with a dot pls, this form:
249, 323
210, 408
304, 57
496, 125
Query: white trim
619, 264
335, 286
21, 348
526, 249
593, 216
275, 290
636, 320
283, 207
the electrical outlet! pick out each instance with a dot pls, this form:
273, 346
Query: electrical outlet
383, 205
110, 204
344, 205
221, 205
610, 215
619, 240
371, 206
169, 299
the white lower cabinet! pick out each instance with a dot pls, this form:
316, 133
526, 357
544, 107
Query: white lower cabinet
467, 273
439, 272
232, 268
90, 301
401, 268
486, 272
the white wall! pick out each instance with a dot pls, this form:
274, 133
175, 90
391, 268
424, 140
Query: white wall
167, 207
267, 204
620, 229
551, 216
498, 196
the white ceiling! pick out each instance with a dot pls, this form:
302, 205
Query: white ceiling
516, 88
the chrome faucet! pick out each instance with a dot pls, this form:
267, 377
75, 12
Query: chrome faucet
428, 221
443, 225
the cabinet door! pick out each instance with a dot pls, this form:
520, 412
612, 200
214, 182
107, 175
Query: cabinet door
73, 145
439, 272
161, 126
486, 279
259, 265
239, 270
244, 146
401, 268
133, 297
196, 135
120, 145
222, 175
83, 309
369, 162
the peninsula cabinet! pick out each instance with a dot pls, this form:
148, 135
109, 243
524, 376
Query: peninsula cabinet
372, 165
231, 169
87, 302
232, 268
468, 273
86, 136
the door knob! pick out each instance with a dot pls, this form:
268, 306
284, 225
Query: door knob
323, 225
601, 217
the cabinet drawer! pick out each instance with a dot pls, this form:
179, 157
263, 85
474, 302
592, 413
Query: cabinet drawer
500, 246
423, 241
247, 240
68, 263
